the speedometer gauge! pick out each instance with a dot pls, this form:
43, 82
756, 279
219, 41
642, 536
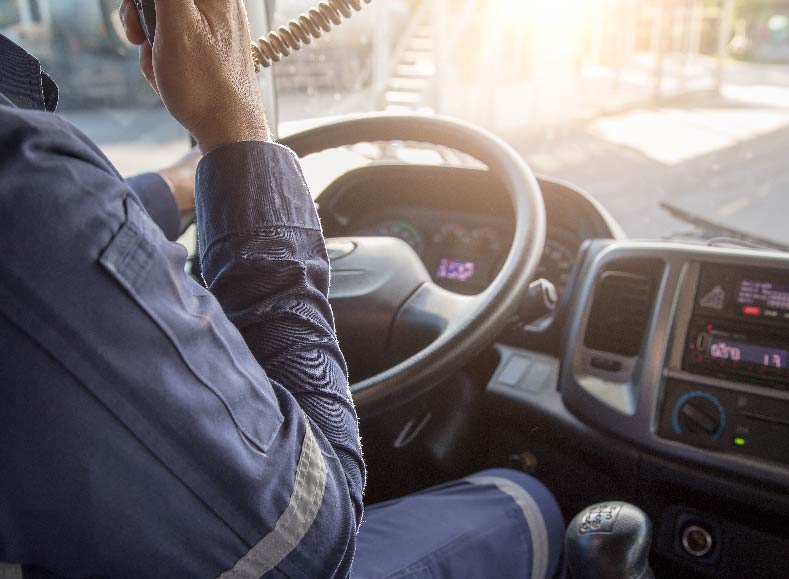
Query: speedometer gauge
557, 264
401, 229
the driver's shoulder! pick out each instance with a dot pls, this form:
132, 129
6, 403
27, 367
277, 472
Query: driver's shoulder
54, 184
32, 134
16, 122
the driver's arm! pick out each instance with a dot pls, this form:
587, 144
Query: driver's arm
264, 258
261, 245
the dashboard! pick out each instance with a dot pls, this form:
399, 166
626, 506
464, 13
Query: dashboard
459, 221
682, 349
664, 370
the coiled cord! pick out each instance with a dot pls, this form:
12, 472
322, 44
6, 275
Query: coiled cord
300, 32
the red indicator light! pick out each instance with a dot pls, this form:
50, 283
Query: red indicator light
752, 311
709, 327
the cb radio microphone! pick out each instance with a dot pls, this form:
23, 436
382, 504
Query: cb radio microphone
146, 9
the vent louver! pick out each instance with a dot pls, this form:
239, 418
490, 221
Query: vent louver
620, 313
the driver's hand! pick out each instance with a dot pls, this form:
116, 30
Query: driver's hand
180, 177
201, 66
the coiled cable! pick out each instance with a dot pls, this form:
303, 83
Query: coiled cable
301, 31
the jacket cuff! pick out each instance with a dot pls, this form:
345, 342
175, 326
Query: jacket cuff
243, 187
158, 200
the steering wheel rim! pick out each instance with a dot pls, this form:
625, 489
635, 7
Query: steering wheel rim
498, 303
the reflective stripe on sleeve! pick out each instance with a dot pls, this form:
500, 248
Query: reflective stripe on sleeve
534, 519
10, 571
295, 521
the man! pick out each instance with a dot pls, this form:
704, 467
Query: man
151, 427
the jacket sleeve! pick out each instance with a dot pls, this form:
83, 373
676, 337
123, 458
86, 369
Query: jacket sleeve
263, 257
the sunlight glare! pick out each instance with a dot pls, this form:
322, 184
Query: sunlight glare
539, 13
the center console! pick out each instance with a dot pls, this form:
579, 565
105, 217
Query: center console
684, 350
735, 352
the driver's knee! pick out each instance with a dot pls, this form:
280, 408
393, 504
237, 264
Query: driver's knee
540, 509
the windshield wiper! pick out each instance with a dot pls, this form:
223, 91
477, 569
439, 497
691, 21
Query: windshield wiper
717, 234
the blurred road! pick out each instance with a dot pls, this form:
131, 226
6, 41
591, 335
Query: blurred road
725, 164
723, 158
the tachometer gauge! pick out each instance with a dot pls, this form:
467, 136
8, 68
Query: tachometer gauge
452, 235
557, 263
401, 229
487, 239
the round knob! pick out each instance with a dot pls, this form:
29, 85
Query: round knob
700, 415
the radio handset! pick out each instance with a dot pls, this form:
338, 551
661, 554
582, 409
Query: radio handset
146, 10
279, 43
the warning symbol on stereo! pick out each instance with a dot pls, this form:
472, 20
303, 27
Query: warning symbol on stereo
715, 300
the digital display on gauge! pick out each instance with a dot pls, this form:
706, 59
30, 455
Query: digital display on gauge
724, 349
456, 269
757, 297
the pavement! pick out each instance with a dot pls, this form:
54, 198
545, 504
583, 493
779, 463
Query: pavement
723, 158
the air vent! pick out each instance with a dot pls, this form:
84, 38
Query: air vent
620, 313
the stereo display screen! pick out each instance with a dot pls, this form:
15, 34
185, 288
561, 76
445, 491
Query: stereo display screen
724, 349
756, 294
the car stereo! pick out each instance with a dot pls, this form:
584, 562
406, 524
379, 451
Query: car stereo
738, 331
740, 326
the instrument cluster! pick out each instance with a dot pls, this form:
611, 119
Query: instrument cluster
463, 253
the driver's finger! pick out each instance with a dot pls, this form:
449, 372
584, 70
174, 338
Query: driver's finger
134, 30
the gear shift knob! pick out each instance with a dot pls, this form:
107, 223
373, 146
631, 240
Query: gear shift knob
609, 541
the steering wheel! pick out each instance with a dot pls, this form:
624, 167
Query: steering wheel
385, 303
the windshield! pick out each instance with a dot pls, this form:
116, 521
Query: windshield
649, 105
81, 44
340, 72
666, 112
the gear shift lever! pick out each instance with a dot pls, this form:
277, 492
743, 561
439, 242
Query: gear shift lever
609, 541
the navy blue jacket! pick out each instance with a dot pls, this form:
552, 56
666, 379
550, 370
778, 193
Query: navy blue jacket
151, 426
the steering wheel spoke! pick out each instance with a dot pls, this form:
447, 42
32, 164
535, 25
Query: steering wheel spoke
429, 312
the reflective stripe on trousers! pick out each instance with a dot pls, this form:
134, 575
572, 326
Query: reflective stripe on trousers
532, 514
